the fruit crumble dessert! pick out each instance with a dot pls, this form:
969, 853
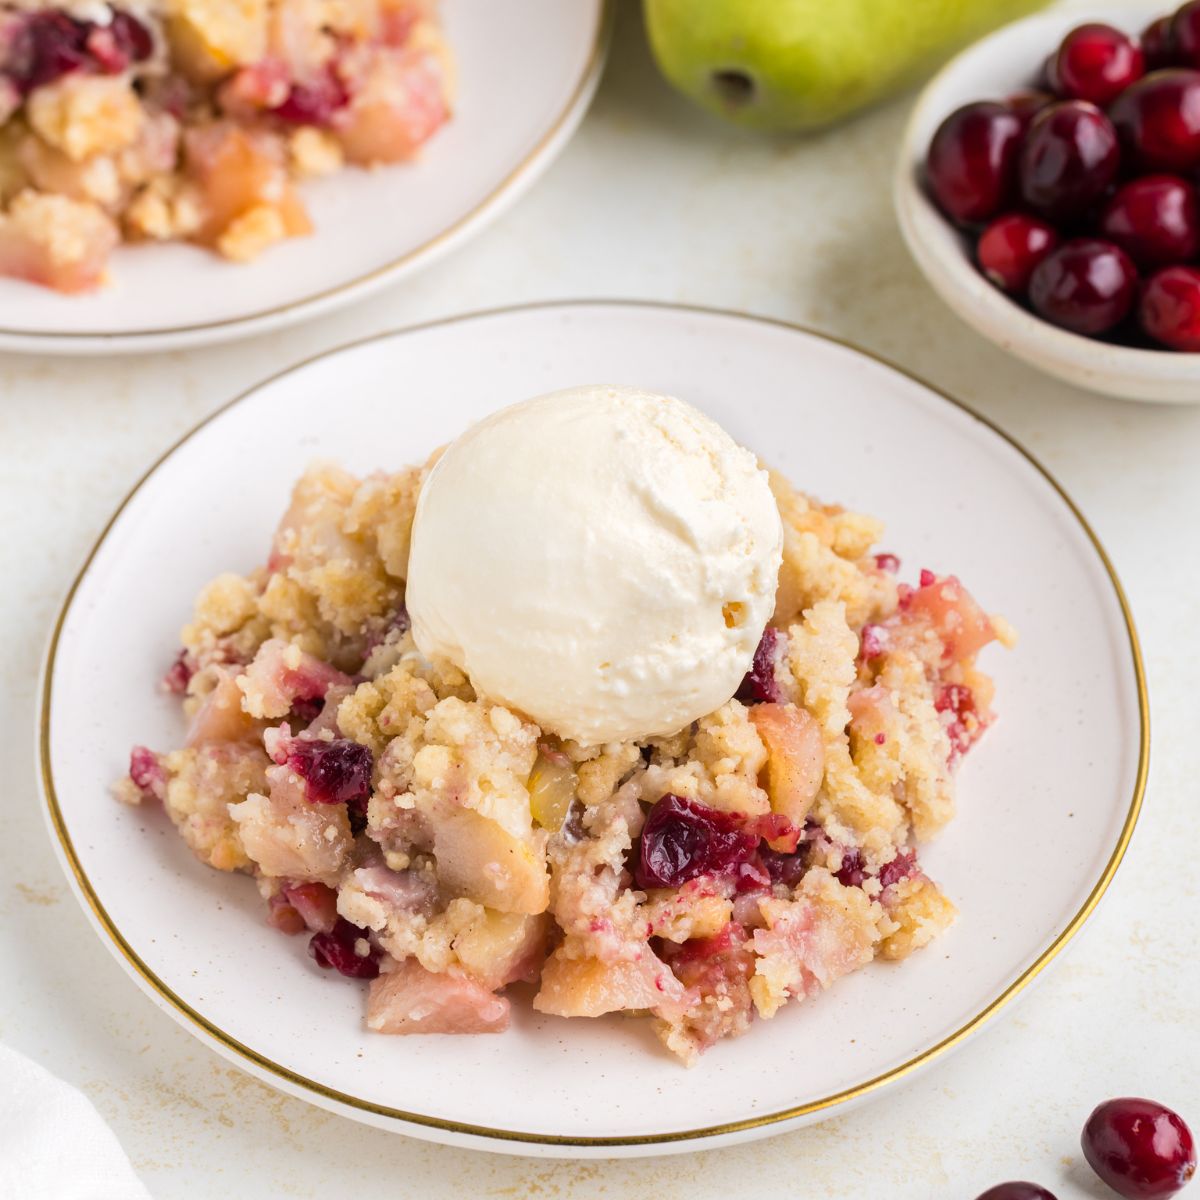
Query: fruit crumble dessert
161, 120
430, 836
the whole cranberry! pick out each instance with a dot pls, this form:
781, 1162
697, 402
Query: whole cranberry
1028, 104
972, 161
1097, 62
1158, 121
1086, 285
1185, 34
1169, 310
1016, 1191
1069, 159
1158, 45
1141, 1149
1155, 220
1010, 247
683, 838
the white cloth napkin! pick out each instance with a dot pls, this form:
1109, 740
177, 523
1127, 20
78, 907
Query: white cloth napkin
53, 1144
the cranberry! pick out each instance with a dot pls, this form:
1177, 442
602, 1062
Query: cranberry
132, 36
179, 673
1155, 220
1170, 308
1185, 34
1085, 285
145, 770
683, 838
1027, 105
759, 685
900, 867
1158, 121
873, 642
887, 562
1141, 1149
336, 772
1158, 45
1010, 247
1069, 158
337, 949
50, 44
313, 103
852, 872
306, 709
972, 160
787, 869
1097, 62
1016, 1191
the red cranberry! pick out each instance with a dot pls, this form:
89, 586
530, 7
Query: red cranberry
1185, 34
900, 867
1085, 285
1010, 247
1027, 105
1158, 45
336, 772
1016, 1191
1155, 220
787, 869
1097, 62
1158, 121
315, 102
48, 45
1141, 1149
1069, 158
337, 949
1170, 308
852, 872
683, 838
873, 642
972, 159
888, 562
179, 673
132, 36
146, 771
759, 685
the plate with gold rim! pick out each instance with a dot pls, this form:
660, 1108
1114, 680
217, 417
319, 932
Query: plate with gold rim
1067, 756
525, 73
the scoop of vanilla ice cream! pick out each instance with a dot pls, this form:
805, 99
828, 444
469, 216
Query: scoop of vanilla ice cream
602, 559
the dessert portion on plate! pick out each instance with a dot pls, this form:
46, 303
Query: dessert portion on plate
164, 120
590, 702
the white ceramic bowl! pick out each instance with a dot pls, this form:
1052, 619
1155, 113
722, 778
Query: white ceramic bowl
1047, 801
1003, 63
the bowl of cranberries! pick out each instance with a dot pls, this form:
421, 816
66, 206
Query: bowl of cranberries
1049, 189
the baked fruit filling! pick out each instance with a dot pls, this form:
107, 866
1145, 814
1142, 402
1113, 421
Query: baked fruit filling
195, 119
444, 848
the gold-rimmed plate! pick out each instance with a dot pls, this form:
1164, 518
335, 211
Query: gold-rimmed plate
526, 71
1048, 800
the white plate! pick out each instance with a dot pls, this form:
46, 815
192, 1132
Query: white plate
999, 65
526, 72
1048, 800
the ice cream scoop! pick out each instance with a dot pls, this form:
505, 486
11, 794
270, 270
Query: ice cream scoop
602, 559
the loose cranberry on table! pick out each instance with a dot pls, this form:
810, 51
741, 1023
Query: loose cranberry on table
1096, 62
1158, 121
1140, 1148
1185, 34
1010, 247
1086, 285
1155, 220
972, 161
1016, 1191
1158, 44
1169, 310
1068, 160
1027, 105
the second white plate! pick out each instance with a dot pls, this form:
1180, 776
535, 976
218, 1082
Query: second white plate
526, 72
1047, 801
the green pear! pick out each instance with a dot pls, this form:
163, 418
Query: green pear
802, 64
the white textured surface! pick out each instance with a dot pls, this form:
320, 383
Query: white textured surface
651, 200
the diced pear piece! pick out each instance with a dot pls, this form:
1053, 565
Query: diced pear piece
483, 861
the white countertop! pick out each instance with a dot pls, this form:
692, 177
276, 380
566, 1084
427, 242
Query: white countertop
651, 200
